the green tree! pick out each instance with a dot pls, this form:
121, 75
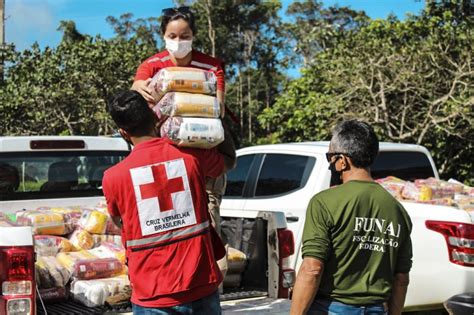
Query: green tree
411, 79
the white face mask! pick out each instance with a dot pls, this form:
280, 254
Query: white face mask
179, 49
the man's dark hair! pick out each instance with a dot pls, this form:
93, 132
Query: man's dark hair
130, 112
173, 14
358, 140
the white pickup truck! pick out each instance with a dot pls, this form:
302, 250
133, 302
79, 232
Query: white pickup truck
284, 177
52, 171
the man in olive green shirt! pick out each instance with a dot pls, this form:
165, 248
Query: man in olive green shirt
356, 241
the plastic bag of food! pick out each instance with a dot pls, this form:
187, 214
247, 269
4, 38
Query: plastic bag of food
94, 221
42, 222
81, 239
71, 216
85, 265
50, 272
188, 105
203, 133
97, 268
417, 193
50, 245
6, 221
99, 238
183, 79
53, 294
109, 250
236, 260
70, 259
93, 293
393, 185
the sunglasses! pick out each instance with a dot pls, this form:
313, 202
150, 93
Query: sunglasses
329, 155
174, 11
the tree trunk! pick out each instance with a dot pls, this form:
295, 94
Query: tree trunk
210, 29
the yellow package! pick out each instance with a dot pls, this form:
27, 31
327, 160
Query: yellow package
188, 104
81, 239
94, 222
183, 79
68, 260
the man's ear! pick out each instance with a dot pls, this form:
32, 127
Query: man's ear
125, 136
346, 163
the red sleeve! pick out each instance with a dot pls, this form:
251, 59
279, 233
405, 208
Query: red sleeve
220, 74
211, 161
144, 72
110, 196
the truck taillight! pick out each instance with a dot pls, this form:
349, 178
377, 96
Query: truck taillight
20, 263
286, 248
459, 239
17, 280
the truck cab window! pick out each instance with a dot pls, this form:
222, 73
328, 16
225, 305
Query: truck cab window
407, 165
237, 177
283, 173
39, 175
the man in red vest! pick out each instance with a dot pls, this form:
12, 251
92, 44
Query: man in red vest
158, 194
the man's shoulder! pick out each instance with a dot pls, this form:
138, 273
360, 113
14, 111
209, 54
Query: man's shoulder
203, 60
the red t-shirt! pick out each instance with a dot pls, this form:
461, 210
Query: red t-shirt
199, 60
159, 193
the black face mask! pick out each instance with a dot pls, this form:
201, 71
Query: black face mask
336, 176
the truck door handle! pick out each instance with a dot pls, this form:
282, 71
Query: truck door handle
292, 219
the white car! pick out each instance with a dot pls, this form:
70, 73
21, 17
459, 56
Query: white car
284, 177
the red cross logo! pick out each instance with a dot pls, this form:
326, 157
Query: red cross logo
162, 187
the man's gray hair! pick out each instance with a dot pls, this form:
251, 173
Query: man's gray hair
357, 140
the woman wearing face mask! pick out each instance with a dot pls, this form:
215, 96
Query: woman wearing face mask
178, 29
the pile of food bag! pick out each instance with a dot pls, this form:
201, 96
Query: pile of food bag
187, 104
79, 254
431, 191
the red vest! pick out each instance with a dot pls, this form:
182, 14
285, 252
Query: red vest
159, 193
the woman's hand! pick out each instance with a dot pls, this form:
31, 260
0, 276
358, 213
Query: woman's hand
141, 86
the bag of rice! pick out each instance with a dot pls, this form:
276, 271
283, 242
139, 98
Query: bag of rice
203, 133
188, 105
183, 79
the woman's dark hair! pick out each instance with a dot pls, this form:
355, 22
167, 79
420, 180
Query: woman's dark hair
173, 14
357, 139
130, 112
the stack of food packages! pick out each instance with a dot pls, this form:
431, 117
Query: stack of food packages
79, 253
236, 263
431, 191
187, 106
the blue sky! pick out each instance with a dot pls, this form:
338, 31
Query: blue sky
37, 20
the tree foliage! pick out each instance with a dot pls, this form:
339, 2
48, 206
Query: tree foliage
411, 79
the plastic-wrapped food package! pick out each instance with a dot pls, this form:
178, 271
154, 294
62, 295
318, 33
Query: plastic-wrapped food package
99, 238
183, 79
94, 222
42, 222
393, 185
71, 216
82, 239
85, 265
236, 260
5, 221
188, 105
97, 268
71, 258
93, 293
109, 250
50, 272
50, 245
53, 294
203, 133
417, 193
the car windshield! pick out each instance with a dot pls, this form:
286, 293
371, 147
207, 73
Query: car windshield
39, 175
